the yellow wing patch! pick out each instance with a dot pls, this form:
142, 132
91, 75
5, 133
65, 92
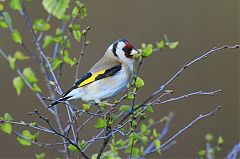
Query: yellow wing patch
92, 78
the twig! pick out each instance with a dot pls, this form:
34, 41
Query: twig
234, 152
162, 134
19, 72
104, 144
48, 19
37, 44
187, 95
40, 50
82, 51
59, 134
37, 127
162, 87
37, 143
200, 117
89, 119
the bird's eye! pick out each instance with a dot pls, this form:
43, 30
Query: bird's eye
125, 49
127, 52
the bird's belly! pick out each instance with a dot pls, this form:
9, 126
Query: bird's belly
105, 88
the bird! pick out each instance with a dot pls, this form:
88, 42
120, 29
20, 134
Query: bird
108, 77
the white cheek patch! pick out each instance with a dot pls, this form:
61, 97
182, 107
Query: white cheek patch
120, 45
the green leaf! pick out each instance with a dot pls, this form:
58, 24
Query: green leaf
75, 12
7, 117
151, 121
209, 137
135, 152
155, 134
87, 42
68, 44
7, 18
48, 39
1, 7
16, 36
82, 144
36, 88
77, 35
131, 96
202, 153
58, 10
121, 142
15, 5
74, 27
20, 56
3, 24
220, 140
164, 119
133, 123
58, 39
147, 50
41, 25
139, 82
94, 156
18, 84
30, 75
173, 45
144, 139
143, 128
40, 156
52, 83
157, 145
125, 108
72, 148
12, 62
26, 136
23, 141
56, 63
86, 107
150, 109
82, 9
6, 128
100, 123
59, 31
67, 59
160, 45
33, 124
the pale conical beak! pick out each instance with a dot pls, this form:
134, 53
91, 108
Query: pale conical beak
134, 52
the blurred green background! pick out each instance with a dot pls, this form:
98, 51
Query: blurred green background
197, 25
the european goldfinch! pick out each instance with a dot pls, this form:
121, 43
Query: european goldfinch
109, 76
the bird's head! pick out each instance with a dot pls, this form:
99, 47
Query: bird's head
122, 51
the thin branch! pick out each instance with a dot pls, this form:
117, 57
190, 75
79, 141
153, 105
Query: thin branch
162, 134
37, 143
163, 86
59, 134
234, 152
200, 117
84, 39
12, 30
19, 72
204, 56
187, 96
37, 127
104, 144
37, 44
48, 19
40, 50
89, 119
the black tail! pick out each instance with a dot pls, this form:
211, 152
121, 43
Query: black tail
58, 101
